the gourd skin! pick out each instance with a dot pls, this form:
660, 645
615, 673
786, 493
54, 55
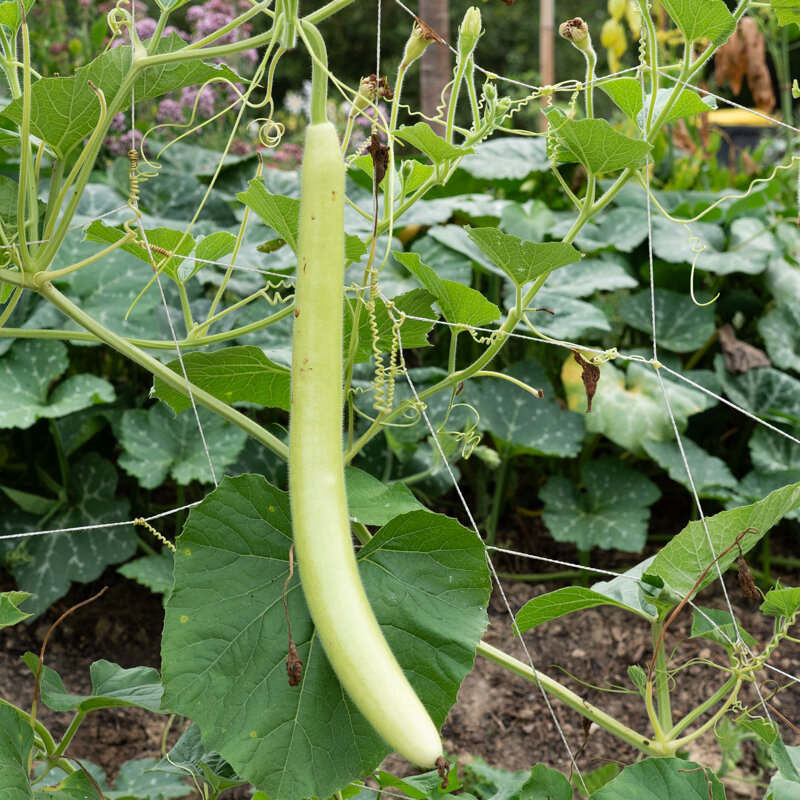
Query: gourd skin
344, 621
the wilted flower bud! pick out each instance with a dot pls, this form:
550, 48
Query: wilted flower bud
418, 42
576, 31
469, 31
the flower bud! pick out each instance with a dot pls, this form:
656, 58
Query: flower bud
617, 8
469, 31
576, 31
634, 18
612, 37
421, 36
366, 94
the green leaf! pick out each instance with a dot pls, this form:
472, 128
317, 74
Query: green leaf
522, 261
32, 503
9, 608
189, 757
757, 485
565, 601
787, 12
280, 213
233, 375
707, 20
493, 782
414, 332
156, 444
372, 503
663, 779
597, 778
710, 474
112, 687
593, 143
682, 561
427, 786
546, 783
136, 780
77, 786
46, 565
612, 511
164, 238
460, 304
10, 13
213, 247
622, 229
435, 147
766, 392
681, 325
64, 111
770, 452
16, 743
426, 579
780, 329
626, 92
591, 275
628, 407
781, 602
571, 319
520, 422
27, 371
154, 572
531, 222
718, 626
510, 158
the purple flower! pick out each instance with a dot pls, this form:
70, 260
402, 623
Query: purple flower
145, 28
170, 111
120, 145
206, 103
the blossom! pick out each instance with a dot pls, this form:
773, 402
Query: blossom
170, 111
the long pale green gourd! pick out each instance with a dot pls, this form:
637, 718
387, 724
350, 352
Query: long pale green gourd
344, 621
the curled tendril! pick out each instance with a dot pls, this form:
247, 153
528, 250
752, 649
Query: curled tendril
270, 133
119, 18
697, 248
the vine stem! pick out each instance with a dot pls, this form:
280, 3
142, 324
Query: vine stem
173, 379
576, 702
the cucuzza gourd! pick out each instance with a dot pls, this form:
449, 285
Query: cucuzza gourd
344, 621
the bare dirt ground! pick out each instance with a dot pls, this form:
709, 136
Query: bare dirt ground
499, 718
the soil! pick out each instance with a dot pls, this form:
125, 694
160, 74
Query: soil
499, 718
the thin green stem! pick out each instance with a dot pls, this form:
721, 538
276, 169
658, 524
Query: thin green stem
575, 702
70, 732
25, 166
319, 72
662, 679
501, 479
169, 377
703, 707
51, 275
710, 723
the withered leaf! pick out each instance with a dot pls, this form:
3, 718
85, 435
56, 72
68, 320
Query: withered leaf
739, 356
590, 375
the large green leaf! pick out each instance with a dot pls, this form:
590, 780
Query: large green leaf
603, 274
373, 503
16, 743
757, 485
781, 602
771, 452
593, 143
112, 687
626, 92
663, 779
522, 261
77, 786
174, 241
780, 329
45, 565
461, 305
224, 650
510, 158
10, 13
681, 325
707, 20
719, 626
710, 474
66, 110
785, 784
137, 780
27, 372
622, 229
520, 422
766, 392
435, 147
787, 12
612, 511
629, 406
280, 213
233, 375
682, 561
545, 783
156, 444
